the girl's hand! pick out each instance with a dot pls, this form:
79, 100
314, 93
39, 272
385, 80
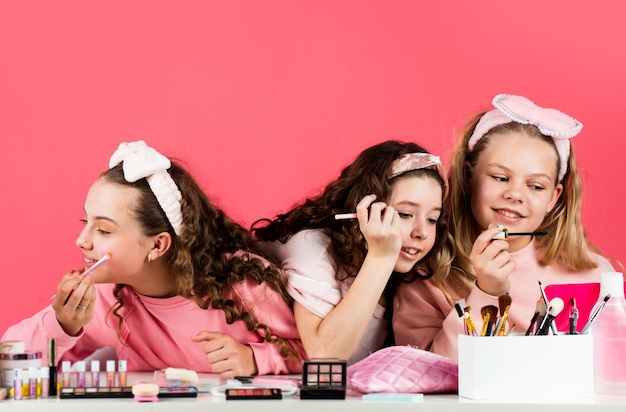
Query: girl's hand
492, 262
380, 226
74, 302
226, 355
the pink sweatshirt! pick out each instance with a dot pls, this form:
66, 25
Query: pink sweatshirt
424, 318
158, 332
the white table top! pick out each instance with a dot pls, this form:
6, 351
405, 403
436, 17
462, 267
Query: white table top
207, 402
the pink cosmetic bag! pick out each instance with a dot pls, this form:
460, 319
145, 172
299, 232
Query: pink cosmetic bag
404, 369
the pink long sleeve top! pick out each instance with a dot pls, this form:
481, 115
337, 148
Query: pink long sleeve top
423, 317
157, 332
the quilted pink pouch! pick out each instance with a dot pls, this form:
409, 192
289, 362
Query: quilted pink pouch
404, 369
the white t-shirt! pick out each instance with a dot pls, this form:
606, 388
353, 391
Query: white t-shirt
313, 282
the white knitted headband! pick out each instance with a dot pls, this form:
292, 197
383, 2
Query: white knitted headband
140, 160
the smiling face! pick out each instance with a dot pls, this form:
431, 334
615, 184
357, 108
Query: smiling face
109, 226
418, 203
514, 184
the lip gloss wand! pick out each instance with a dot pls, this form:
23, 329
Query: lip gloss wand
95, 265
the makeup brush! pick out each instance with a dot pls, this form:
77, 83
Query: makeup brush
545, 300
490, 315
459, 306
595, 313
540, 312
554, 308
504, 303
471, 326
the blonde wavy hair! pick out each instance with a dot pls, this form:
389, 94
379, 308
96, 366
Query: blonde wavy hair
567, 241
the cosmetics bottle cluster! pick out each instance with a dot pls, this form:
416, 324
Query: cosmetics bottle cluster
35, 382
31, 383
80, 378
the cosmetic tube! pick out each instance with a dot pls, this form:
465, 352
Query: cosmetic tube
95, 373
44, 373
80, 375
33, 377
110, 373
121, 368
66, 367
17, 384
52, 367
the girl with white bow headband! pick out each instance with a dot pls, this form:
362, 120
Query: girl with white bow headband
184, 286
513, 171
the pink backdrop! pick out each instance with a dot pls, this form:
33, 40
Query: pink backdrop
267, 100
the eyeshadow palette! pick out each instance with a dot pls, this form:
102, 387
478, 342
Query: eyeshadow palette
253, 393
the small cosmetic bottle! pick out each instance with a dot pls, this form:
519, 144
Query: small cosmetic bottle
110, 373
80, 376
44, 372
17, 384
609, 337
33, 377
121, 368
95, 373
66, 367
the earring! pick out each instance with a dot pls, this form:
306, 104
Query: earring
149, 257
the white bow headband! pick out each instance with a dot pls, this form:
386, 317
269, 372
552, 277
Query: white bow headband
550, 122
140, 160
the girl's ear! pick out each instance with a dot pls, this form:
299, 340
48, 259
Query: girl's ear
161, 244
556, 193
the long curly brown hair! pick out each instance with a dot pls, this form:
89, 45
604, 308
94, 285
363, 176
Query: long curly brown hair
202, 259
369, 174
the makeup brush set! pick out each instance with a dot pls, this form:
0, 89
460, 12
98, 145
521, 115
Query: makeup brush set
507, 368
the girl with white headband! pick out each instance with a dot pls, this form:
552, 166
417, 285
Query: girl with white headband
342, 273
513, 169
184, 285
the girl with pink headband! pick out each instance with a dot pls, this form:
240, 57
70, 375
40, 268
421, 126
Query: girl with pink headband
343, 267
181, 285
513, 170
